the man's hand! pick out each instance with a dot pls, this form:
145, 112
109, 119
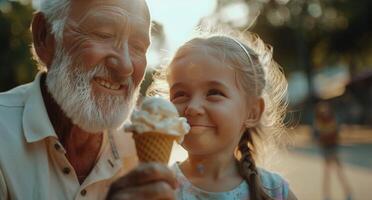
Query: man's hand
148, 181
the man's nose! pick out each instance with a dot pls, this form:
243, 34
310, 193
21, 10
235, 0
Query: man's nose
194, 108
121, 61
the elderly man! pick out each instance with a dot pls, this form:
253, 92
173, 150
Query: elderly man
59, 137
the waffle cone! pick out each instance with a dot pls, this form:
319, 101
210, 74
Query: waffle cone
154, 146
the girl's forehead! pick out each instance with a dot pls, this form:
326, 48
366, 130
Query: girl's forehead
200, 60
194, 68
199, 48
198, 55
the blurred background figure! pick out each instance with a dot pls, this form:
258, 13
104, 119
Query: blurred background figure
326, 133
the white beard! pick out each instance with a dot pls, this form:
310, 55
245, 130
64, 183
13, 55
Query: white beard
71, 88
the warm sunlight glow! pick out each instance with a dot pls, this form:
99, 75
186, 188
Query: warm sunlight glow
236, 13
179, 19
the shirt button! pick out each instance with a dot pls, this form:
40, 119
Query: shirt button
83, 192
57, 146
66, 170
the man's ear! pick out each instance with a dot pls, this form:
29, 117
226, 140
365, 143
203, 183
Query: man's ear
255, 113
43, 39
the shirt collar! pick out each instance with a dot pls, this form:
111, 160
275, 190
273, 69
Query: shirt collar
36, 123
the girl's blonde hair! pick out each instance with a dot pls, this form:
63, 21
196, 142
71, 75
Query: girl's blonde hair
258, 75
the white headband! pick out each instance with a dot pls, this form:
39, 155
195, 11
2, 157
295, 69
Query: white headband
250, 60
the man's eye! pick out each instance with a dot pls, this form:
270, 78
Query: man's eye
139, 47
214, 92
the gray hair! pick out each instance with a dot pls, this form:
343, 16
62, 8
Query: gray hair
56, 13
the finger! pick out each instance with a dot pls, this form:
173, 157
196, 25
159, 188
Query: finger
152, 191
147, 173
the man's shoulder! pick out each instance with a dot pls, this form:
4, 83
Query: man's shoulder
15, 97
11, 111
10, 123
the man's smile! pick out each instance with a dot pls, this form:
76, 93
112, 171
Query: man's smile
111, 87
107, 84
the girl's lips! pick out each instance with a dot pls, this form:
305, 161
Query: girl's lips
202, 125
200, 129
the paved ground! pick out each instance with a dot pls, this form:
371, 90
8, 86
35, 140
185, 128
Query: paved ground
302, 164
305, 171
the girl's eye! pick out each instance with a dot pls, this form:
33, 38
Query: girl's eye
178, 96
215, 92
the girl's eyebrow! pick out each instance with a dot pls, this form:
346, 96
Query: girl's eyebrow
176, 85
218, 84
208, 83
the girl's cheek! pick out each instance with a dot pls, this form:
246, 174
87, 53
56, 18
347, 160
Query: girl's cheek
181, 110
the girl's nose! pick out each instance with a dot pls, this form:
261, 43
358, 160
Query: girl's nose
194, 108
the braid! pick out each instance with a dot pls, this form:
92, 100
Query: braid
248, 170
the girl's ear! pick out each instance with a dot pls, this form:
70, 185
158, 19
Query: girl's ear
43, 39
255, 113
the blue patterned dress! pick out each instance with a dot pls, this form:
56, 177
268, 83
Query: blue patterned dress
274, 184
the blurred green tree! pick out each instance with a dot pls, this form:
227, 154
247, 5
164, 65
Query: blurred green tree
309, 34
16, 63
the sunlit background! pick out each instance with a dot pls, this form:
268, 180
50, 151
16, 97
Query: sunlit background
324, 46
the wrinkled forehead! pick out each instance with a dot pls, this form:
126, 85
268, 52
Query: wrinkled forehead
110, 11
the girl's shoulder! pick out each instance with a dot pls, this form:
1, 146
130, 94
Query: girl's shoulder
274, 184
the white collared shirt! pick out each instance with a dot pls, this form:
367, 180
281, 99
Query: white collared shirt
33, 164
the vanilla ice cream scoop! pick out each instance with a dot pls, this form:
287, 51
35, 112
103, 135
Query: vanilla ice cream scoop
155, 126
159, 115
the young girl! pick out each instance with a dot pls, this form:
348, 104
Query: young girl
231, 91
